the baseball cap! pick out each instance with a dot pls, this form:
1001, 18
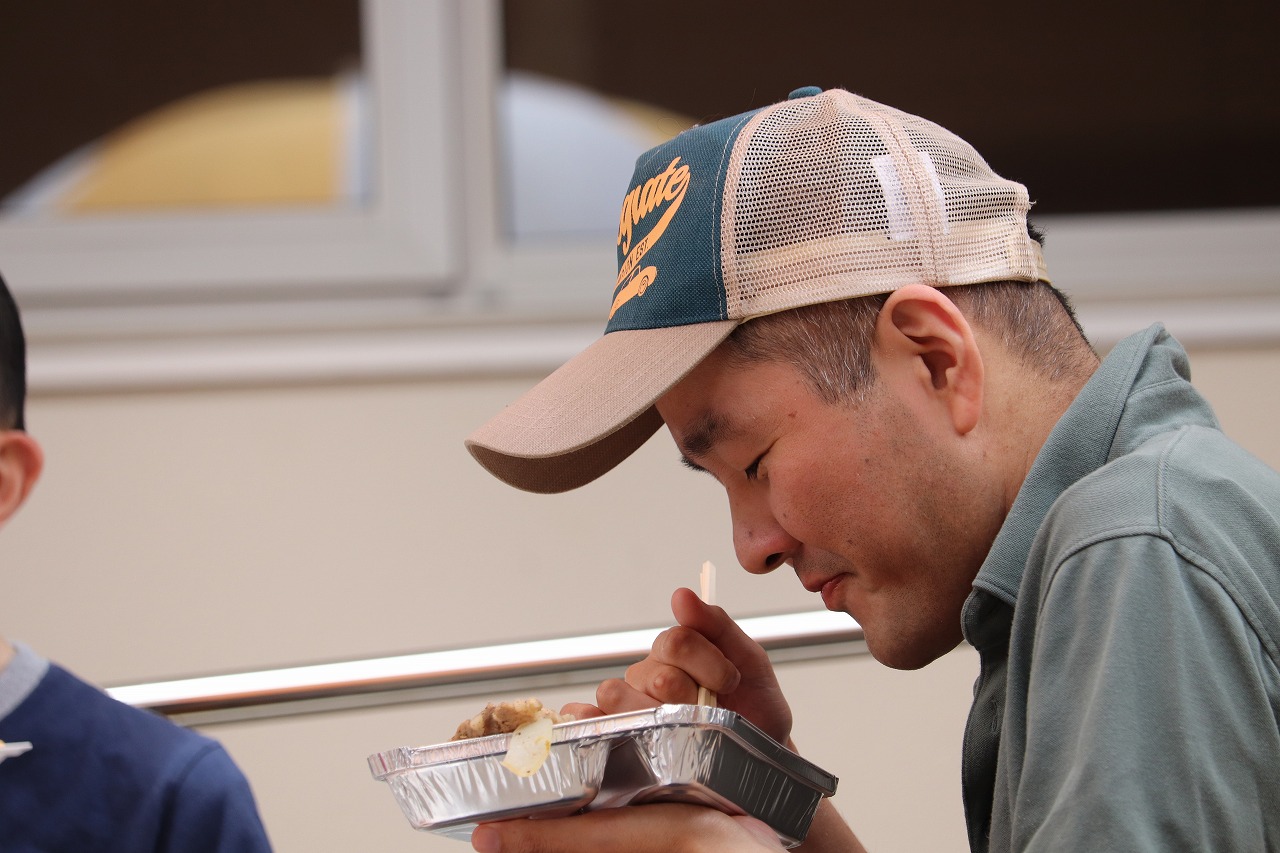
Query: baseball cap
822, 197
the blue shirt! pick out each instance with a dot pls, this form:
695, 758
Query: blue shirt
104, 777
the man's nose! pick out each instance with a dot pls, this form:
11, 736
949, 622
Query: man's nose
760, 541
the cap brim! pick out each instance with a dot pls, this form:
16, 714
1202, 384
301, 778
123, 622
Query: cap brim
594, 411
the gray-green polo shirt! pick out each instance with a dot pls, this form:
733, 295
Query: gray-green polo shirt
1128, 625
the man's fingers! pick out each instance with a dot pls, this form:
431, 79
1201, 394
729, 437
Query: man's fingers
663, 682
760, 831
689, 651
715, 625
614, 696
653, 828
755, 693
581, 711
706, 649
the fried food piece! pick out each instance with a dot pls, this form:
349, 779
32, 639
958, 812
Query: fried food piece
499, 718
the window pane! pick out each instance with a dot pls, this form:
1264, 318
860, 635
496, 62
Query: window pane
1095, 106
133, 105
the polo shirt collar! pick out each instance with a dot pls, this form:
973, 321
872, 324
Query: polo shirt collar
1079, 443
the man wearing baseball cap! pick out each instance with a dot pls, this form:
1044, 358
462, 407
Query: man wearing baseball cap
841, 314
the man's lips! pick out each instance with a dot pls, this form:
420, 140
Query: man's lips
830, 590
826, 585
814, 584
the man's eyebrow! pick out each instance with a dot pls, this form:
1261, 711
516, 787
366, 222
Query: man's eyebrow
706, 431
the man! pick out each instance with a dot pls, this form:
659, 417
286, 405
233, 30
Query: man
840, 313
101, 776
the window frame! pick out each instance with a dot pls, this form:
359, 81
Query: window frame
424, 282
404, 236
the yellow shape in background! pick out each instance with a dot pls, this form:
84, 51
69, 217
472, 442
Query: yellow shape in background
266, 142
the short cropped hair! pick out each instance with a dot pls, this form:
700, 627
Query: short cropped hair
13, 363
830, 343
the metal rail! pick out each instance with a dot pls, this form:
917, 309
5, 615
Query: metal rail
486, 670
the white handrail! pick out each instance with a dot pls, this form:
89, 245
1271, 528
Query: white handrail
458, 672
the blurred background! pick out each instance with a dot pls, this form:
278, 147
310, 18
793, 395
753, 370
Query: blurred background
277, 258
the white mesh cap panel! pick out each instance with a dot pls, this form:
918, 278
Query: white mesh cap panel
835, 196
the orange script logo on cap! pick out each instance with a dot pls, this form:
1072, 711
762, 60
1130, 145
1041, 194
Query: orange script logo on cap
668, 187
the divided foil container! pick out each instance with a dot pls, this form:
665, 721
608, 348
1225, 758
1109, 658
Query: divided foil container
674, 753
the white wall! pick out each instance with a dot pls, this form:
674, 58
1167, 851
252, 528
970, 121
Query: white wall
189, 532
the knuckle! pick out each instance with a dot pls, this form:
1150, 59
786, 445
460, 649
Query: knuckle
610, 692
674, 643
673, 685
637, 674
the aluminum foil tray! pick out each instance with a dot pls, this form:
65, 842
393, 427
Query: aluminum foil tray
674, 753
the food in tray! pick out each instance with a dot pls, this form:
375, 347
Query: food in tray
529, 724
500, 718
529, 747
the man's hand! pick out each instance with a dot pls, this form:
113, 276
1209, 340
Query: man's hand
655, 828
705, 648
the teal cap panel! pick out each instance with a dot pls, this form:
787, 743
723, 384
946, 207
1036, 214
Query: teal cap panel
669, 232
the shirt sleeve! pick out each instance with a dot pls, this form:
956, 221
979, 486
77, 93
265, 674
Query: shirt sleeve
213, 809
1152, 718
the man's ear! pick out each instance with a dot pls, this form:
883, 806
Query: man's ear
21, 461
923, 339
